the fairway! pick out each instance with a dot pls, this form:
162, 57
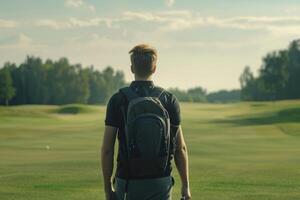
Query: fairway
241, 151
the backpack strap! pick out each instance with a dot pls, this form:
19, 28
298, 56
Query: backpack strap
129, 93
157, 92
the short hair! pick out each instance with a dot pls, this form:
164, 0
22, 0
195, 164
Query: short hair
143, 58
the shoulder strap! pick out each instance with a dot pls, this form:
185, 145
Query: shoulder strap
129, 93
157, 92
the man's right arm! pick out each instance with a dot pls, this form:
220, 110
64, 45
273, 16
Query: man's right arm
107, 158
182, 165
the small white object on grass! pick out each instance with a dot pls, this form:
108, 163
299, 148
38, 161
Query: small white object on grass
47, 147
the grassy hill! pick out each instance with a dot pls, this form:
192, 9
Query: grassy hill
243, 151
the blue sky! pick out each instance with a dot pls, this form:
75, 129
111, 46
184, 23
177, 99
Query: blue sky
200, 43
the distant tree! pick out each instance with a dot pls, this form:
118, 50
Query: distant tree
7, 91
60, 77
97, 87
247, 82
274, 73
294, 70
197, 94
278, 78
224, 96
81, 87
59, 82
119, 78
180, 94
32, 80
113, 80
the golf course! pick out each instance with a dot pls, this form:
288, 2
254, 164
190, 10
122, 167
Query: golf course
237, 151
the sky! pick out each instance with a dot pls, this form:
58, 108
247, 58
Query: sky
200, 43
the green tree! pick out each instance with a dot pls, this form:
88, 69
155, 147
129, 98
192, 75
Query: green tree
294, 70
32, 81
82, 88
113, 80
247, 82
274, 73
7, 91
279, 76
197, 94
180, 94
59, 82
96, 86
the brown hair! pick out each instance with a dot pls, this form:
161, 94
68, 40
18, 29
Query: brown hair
143, 58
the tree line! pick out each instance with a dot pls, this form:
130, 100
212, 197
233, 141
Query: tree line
199, 94
56, 82
59, 82
278, 77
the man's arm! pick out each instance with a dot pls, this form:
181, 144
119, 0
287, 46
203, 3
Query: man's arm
107, 157
181, 161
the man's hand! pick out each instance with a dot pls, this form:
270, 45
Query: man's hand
186, 193
182, 164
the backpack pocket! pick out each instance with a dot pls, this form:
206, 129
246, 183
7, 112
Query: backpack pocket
147, 145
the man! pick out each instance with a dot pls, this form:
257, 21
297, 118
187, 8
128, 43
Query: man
127, 184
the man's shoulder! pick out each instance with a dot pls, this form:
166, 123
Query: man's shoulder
167, 92
116, 98
172, 105
168, 96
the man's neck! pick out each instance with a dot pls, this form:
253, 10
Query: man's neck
142, 79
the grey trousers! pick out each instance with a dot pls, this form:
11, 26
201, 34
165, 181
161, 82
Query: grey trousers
146, 189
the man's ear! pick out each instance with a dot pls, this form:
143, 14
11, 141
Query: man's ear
132, 68
154, 69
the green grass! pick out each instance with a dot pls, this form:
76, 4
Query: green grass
243, 151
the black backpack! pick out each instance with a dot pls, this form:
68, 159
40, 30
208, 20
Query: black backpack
147, 130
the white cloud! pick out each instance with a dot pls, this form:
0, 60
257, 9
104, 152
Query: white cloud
21, 41
53, 24
7, 23
176, 13
177, 20
91, 8
79, 4
265, 19
145, 16
169, 3
74, 3
74, 23
181, 20
285, 31
85, 23
24, 40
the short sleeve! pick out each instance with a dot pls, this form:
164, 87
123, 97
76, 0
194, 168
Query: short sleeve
174, 111
112, 113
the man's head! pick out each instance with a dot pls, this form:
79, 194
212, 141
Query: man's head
143, 60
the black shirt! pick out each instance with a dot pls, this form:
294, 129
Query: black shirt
114, 118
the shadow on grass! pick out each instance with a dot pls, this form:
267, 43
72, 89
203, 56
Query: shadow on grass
73, 109
282, 116
257, 105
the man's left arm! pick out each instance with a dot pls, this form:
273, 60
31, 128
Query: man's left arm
107, 157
